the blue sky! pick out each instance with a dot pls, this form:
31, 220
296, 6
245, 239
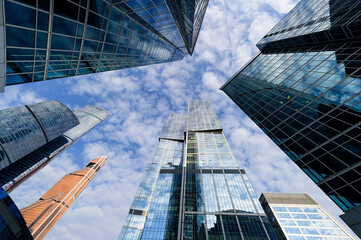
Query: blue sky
140, 100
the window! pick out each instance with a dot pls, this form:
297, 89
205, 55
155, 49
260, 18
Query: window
292, 230
279, 209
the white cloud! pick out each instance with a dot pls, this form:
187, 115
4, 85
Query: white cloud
17, 96
140, 100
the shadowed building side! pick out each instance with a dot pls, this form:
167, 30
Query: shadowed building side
303, 90
42, 215
17, 172
12, 223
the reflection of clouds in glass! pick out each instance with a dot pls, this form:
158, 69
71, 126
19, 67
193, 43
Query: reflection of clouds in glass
211, 221
314, 73
239, 194
209, 193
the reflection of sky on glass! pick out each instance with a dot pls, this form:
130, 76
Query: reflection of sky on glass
314, 73
308, 220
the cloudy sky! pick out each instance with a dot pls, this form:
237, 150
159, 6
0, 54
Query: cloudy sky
140, 100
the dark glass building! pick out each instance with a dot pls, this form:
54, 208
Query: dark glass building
304, 91
12, 223
194, 189
32, 135
61, 38
297, 216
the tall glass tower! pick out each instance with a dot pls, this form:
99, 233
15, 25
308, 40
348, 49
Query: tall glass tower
32, 135
61, 38
194, 189
304, 91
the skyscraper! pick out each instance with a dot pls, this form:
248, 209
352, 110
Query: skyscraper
194, 189
13, 226
36, 220
32, 135
61, 38
42, 215
303, 91
297, 216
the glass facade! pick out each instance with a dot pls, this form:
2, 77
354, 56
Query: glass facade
299, 217
62, 38
306, 94
12, 223
46, 118
26, 128
194, 189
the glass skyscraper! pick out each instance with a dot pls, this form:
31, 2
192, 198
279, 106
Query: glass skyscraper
296, 216
61, 38
304, 91
35, 221
32, 135
194, 189
12, 223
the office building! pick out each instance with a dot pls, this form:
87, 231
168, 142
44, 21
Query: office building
32, 135
42, 215
303, 91
194, 189
12, 223
63, 38
36, 220
296, 216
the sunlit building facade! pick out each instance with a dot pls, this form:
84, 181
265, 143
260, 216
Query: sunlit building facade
61, 38
32, 135
304, 91
42, 215
194, 189
35, 221
296, 216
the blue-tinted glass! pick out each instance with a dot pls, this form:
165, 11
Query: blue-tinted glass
20, 37
41, 40
217, 196
292, 230
25, 19
280, 209
299, 90
294, 209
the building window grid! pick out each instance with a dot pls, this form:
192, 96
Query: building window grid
271, 36
40, 10
169, 31
290, 116
164, 145
321, 223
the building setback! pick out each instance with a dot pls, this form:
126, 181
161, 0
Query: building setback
194, 189
304, 91
296, 216
62, 38
32, 135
